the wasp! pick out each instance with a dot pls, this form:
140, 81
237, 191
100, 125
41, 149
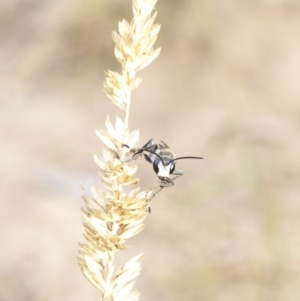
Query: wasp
163, 161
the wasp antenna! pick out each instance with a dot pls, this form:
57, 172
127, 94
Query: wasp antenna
145, 149
188, 157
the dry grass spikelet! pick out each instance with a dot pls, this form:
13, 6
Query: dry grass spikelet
112, 216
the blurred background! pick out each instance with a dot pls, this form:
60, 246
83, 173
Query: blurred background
225, 87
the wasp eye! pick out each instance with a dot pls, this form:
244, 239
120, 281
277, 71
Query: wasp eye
172, 167
155, 165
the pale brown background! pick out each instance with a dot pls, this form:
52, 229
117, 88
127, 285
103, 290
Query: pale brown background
226, 86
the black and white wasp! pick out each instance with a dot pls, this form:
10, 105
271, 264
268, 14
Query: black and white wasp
163, 161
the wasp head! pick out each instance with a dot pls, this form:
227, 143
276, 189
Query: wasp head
163, 168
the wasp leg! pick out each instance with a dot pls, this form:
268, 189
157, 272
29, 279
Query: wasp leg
138, 152
129, 160
145, 147
177, 174
147, 158
148, 146
136, 155
149, 143
164, 144
155, 191
167, 182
